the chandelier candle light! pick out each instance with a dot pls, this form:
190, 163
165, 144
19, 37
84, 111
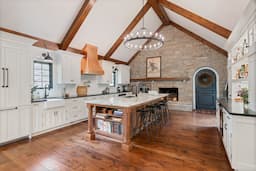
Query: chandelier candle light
137, 40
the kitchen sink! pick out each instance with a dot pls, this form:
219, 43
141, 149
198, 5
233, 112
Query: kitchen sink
54, 103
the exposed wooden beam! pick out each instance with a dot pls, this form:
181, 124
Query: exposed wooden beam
159, 10
197, 19
81, 16
42, 43
130, 27
206, 42
134, 56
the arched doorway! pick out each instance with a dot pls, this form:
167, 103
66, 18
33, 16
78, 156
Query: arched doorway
205, 89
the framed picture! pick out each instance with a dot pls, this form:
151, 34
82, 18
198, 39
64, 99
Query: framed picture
153, 67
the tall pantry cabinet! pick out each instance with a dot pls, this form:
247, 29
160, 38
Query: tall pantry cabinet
15, 85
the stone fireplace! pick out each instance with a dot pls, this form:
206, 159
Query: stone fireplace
173, 93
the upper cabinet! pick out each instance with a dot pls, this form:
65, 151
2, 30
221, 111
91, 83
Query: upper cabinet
123, 76
68, 67
107, 66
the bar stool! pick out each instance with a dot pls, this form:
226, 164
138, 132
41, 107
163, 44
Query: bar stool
156, 116
165, 111
144, 120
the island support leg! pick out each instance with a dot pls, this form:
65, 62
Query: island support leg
90, 133
127, 145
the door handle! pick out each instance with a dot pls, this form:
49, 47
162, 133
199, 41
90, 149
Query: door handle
7, 73
3, 85
13, 108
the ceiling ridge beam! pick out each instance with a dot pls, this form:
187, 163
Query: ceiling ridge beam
135, 55
129, 28
196, 19
159, 10
78, 21
199, 38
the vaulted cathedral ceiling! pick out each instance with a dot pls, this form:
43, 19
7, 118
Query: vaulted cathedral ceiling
75, 23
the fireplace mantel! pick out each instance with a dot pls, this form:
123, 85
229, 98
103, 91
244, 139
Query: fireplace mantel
161, 79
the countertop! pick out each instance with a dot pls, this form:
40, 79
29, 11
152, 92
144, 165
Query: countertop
236, 108
124, 101
73, 97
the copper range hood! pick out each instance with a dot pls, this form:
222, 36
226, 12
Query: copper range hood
90, 63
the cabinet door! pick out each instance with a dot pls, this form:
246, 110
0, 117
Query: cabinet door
225, 130
66, 69
9, 127
2, 78
123, 74
75, 69
13, 120
3, 126
25, 78
38, 121
25, 120
12, 76
107, 77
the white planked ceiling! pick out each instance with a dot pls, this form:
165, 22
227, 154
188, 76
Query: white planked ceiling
152, 22
105, 23
51, 19
223, 12
47, 19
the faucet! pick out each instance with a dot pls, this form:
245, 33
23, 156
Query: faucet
46, 87
136, 88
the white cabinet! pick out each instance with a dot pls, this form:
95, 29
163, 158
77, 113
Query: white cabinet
47, 119
14, 124
123, 75
15, 75
227, 133
68, 67
239, 139
107, 77
38, 119
76, 109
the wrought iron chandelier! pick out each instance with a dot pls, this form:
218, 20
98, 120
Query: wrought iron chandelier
143, 39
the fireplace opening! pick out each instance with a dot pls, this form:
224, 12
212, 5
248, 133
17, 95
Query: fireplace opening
173, 93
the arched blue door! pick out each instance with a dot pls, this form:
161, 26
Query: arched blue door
205, 90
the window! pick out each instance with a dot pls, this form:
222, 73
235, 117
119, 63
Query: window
114, 77
42, 75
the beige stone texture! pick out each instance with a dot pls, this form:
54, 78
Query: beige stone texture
181, 56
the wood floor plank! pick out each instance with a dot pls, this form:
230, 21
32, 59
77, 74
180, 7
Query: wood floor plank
189, 142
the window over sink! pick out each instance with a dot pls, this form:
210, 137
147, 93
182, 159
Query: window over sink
42, 75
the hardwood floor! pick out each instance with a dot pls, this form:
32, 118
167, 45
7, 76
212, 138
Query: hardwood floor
189, 142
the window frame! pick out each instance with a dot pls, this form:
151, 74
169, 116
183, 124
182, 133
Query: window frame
114, 79
50, 73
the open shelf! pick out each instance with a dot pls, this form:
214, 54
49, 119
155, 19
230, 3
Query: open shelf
240, 80
108, 120
110, 135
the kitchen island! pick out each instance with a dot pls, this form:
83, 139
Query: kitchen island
103, 119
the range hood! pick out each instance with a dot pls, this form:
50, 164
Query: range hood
90, 63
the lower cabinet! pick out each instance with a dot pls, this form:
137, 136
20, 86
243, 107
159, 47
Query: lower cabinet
48, 119
44, 119
239, 139
14, 123
76, 109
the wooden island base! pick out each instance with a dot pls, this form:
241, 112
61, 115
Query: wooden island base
128, 108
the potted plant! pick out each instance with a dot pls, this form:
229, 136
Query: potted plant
244, 95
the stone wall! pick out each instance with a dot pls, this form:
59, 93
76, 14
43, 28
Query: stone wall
181, 56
